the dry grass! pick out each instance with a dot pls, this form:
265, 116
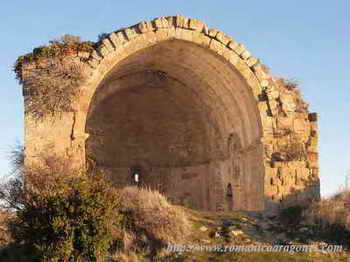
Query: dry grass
151, 213
5, 236
150, 221
332, 217
343, 195
293, 86
331, 211
129, 257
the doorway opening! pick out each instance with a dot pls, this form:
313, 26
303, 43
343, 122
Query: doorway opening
229, 197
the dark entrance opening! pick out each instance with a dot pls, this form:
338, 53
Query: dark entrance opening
229, 197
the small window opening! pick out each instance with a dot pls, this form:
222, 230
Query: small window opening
229, 190
136, 176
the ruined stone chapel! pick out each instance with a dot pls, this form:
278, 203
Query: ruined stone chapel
177, 107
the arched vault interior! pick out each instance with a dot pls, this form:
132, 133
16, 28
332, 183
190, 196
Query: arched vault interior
171, 107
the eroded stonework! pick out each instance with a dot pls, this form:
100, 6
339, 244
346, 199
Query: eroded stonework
192, 113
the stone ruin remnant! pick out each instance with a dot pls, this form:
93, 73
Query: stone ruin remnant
185, 108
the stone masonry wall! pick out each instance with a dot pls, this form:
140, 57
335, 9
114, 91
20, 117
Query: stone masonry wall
253, 146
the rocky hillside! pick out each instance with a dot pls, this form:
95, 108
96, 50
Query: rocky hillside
230, 229
156, 230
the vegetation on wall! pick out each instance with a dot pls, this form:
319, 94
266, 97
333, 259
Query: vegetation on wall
52, 75
66, 45
293, 86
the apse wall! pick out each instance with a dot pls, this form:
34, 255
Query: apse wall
183, 117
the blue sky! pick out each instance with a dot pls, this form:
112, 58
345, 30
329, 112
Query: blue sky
305, 40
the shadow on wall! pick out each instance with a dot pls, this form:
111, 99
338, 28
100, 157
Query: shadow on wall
301, 197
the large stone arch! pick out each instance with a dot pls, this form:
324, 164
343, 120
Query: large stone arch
190, 108
206, 86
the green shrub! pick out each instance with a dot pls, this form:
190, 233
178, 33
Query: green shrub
59, 214
291, 215
66, 217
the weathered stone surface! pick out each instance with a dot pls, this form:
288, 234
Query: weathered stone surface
312, 159
117, 38
171, 20
233, 45
161, 22
145, 27
203, 228
130, 33
245, 55
216, 46
106, 42
103, 50
252, 61
312, 145
196, 25
92, 62
95, 55
201, 39
239, 49
181, 21
221, 37
288, 103
213, 32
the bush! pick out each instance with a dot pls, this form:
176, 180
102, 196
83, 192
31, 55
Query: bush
291, 215
331, 217
5, 236
57, 213
64, 217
